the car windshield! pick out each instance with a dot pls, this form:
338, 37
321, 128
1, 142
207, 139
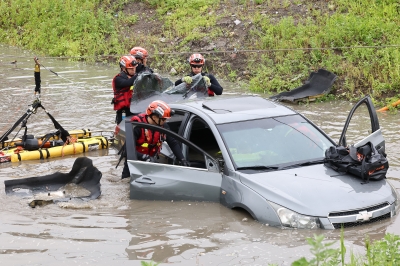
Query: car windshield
274, 143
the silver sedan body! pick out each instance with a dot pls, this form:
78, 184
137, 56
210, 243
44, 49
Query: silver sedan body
251, 153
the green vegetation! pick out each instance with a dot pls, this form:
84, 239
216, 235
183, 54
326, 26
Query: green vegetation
186, 19
372, 70
357, 40
59, 28
384, 252
148, 263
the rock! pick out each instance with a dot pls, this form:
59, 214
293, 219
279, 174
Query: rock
173, 71
220, 44
210, 47
237, 22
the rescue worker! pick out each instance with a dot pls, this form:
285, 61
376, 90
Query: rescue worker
148, 143
122, 85
141, 55
197, 62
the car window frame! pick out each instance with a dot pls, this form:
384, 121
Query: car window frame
367, 101
188, 129
131, 141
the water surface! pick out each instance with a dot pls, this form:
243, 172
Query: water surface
116, 230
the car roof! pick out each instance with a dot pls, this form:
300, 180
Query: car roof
236, 108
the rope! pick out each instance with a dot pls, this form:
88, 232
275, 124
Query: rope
225, 52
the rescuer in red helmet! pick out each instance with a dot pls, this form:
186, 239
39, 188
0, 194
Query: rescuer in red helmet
141, 56
197, 62
149, 143
122, 85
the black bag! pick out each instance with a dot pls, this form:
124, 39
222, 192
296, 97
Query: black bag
365, 161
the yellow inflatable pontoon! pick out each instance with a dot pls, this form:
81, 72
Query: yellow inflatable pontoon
84, 143
78, 134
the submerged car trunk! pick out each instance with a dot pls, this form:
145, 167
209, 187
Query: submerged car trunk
317, 190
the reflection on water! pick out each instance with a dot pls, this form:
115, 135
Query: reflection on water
116, 230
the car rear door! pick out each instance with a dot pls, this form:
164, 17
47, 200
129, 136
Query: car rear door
156, 181
362, 126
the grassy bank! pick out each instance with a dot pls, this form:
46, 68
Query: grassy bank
384, 252
279, 42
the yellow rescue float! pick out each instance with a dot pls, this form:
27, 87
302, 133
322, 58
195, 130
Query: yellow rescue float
81, 141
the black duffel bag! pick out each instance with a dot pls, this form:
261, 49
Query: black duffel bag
365, 162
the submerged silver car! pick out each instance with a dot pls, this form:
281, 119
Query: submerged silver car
251, 153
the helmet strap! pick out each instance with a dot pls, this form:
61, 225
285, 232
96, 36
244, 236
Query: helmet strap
159, 120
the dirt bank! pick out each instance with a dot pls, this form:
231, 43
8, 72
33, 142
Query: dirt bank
234, 21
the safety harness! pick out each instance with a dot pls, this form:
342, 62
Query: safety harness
149, 141
122, 96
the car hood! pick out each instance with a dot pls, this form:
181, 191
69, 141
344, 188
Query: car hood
317, 190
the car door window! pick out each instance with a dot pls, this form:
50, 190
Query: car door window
207, 161
166, 155
359, 126
200, 134
362, 125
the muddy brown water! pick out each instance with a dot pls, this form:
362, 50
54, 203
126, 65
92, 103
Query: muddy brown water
114, 230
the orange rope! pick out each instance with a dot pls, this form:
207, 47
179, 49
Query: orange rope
387, 107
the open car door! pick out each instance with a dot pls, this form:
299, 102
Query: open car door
362, 126
156, 181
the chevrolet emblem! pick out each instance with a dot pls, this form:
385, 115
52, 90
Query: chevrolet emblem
364, 216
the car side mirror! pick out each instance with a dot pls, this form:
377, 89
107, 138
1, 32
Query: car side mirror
212, 165
221, 163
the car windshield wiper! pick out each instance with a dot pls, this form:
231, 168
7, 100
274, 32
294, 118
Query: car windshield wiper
304, 164
259, 167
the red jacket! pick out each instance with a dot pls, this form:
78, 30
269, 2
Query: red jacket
122, 96
149, 142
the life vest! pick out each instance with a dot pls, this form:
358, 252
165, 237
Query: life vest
123, 96
209, 92
149, 142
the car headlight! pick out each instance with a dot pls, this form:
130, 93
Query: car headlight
397, 200
295, 220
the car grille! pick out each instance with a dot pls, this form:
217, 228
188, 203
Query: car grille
354, 212
346, 225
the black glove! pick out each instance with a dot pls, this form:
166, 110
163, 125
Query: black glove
183, 162
148, 158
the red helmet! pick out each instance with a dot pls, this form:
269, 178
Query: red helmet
159, 108
196, 59
139, 52
128, 61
